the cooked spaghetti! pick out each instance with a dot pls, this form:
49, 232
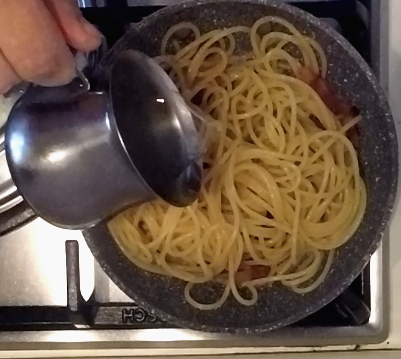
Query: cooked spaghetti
281, 188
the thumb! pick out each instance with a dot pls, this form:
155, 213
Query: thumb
78, 32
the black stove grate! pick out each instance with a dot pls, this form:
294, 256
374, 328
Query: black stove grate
359, 23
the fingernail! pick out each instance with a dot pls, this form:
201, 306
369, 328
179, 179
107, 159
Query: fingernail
90, 29
61, 77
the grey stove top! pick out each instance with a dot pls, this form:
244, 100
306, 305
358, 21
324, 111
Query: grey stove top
32, 263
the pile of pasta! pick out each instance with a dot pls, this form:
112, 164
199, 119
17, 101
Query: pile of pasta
281, 187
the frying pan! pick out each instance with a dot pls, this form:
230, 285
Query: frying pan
277, 306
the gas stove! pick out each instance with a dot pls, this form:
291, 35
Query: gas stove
52, 292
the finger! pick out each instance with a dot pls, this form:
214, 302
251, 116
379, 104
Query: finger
8, 77
79, 33
33, 44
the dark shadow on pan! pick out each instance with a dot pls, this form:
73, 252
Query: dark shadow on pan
276, 306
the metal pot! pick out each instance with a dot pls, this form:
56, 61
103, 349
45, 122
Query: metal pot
80, 156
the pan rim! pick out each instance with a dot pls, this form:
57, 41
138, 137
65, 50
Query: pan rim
393, 158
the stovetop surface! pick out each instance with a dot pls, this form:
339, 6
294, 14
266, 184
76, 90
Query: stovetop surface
50, 283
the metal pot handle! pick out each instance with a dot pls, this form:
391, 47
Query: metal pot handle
47, 95
85, 63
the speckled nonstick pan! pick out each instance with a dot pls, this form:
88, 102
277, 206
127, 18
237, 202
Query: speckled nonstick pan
277, 306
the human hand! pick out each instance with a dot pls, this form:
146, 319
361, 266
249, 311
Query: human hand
35, 41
